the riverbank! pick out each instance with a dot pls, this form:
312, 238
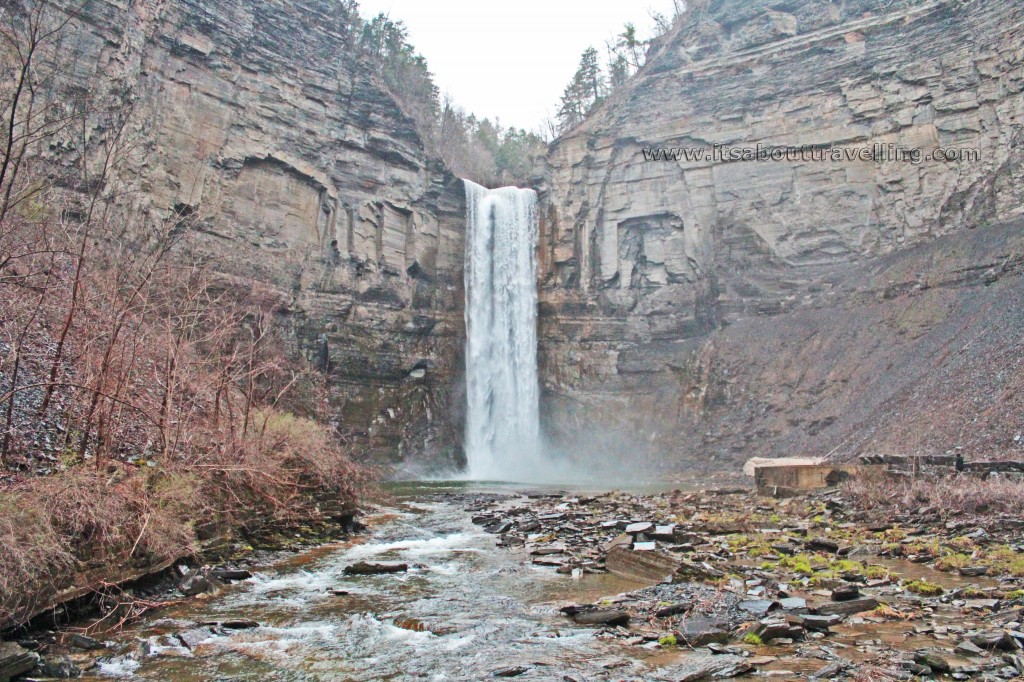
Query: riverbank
470, 582
89, 529
812, 586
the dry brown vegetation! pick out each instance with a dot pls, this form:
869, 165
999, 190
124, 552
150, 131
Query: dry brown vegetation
146, 402
956, 495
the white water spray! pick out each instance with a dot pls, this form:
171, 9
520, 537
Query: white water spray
503, 395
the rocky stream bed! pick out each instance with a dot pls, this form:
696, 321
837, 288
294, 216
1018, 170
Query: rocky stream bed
463, 583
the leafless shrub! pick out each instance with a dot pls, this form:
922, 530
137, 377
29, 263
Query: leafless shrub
156, 395
960, 494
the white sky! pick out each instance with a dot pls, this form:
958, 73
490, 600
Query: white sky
511, 59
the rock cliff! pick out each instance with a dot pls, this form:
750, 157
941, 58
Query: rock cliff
705, 311
694, 311
306, 176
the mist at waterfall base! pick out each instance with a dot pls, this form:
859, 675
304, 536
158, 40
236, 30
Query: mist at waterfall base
503, 438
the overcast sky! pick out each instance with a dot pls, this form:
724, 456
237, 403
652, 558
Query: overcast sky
511, 59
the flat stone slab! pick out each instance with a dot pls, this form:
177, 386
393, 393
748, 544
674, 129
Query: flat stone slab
845, 593
758, 607
793, 604
705, 667
700, 631
817, 623
663, 532
635, 528
648, 566
848, 608
376, 568
14, 660
600, 617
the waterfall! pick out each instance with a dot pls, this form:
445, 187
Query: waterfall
502, 417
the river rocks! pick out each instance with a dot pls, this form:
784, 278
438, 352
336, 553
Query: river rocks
816, 622
191, 639
850, 607
758, 607
786, 578
673, 610
973, 571
822, 545
199, 583
57, 667
376, 568
229, 575
548, 551
793, 604
15, 660
995, 639
636, 528
932, 661
235, 624
845, 593
84, 642
696, 571
515, 671
600, 617
699, 631
968, 648
696, 667
653, 566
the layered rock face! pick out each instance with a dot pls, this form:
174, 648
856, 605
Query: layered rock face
306, 176
708, 310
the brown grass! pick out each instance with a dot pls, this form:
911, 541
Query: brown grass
960, 494
86, 525
146, 402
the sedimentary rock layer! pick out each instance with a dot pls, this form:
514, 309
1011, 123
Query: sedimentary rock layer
305, 176
711, 310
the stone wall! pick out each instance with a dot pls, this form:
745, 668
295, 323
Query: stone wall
705, 312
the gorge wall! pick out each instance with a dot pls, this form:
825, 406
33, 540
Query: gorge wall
703, 312
305, 176
691, 313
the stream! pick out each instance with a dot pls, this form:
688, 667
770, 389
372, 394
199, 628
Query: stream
465, 610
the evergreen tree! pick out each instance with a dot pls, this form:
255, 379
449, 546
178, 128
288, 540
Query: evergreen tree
585, 91
619, 71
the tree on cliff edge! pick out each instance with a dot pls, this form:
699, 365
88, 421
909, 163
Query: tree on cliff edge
585, 91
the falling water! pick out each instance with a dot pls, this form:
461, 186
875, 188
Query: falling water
502, 422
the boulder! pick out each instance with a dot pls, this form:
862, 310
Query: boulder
934, 661
84, 642
376, 568
600, 617
230, 574
190, 639
845, 593
14, 660
701, 631
848, 608
58, 667
200, 583
648, 566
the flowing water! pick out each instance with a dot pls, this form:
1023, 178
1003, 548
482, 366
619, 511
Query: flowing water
466, 610
502, 388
